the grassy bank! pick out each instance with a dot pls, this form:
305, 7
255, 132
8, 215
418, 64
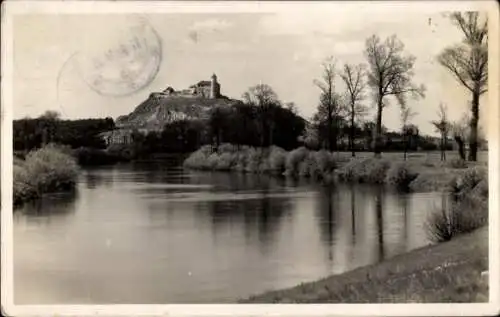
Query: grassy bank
421, 172
446, 272
46, 170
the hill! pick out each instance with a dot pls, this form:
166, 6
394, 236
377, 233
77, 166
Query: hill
158, 110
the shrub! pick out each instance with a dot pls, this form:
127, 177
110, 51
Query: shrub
400, 175
48, 169
22, 189
324, 161
277, 158
432, 181
463, 217
211, 161
462, 184
307, 167
293, 160
352, 170
223, 161
376, 170
199, 159
457, 163
51, 169
253, 159
372, 170
480, 191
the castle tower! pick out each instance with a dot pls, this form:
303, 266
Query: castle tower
214, 88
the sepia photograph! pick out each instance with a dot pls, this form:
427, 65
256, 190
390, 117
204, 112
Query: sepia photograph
249, 153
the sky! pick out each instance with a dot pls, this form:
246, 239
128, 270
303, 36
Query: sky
282, 48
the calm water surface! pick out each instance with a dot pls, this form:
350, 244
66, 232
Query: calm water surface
152, 233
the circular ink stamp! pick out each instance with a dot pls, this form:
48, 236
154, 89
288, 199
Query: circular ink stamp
125, 62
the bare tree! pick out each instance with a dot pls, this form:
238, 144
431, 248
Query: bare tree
468, 63
330, 105
406, 129
390, 74
442, 126
353, 77
460, 131
265, 99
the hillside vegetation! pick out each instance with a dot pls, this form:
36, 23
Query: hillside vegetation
161, 110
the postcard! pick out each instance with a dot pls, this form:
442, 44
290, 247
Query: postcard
249, 158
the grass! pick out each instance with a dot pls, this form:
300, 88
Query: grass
445, 272
469, 210
46, 170
422, 171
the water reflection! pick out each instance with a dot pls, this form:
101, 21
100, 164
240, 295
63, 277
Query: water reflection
379, 205
404, 205
93, 179
353, 213
150, 224
50, 208
327, 195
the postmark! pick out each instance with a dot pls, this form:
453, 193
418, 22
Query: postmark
127, 64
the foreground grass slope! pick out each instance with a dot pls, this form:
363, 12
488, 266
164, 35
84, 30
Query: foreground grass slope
446, 272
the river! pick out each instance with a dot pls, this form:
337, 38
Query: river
153, 233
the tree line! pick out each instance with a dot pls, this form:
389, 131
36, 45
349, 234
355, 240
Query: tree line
33, 133
387, 76
261, 119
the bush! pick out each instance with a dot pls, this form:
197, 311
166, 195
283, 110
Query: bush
199, 159
272, 160
325, 161
377, 170
223, 162
457, 163
463, 217
277, 158
400, 175
371, 170
352, 170
293, 160
22, 189
51, 169
48, 169
464, 183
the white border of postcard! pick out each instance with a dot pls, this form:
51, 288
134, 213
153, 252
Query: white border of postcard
12, 8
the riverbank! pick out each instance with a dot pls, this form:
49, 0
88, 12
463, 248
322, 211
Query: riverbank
419, 173
46, 170
445, 272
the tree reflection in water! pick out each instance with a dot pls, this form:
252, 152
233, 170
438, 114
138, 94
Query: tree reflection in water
353, 214
327, 220
379, 212
404, 202
49, 208
258, 215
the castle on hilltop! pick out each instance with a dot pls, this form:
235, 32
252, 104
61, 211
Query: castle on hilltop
208, 89
154, 120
